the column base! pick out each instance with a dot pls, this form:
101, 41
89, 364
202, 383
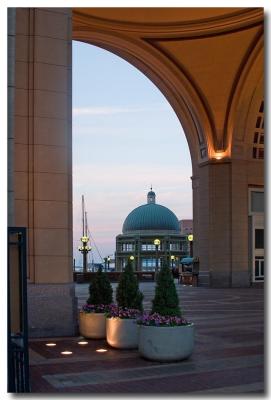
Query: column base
224, 279
204, 278
241, 279
52, 310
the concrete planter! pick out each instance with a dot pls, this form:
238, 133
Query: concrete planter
173, 343
92, 325
122, 333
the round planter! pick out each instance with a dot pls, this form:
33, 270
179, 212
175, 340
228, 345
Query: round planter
122, 333
92, 325
162, 343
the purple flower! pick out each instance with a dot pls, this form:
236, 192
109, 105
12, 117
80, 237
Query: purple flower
156, 319
95, 308
122, 312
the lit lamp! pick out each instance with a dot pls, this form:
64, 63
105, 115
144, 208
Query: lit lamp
220, 154
132, 258
84, 249
157, 244
172, 260
108, 262
190, 239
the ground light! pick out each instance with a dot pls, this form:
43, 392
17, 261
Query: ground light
50, 344
66, 352
82, 343
101, 350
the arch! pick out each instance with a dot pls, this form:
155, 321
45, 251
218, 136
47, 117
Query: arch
246, 103
175, 86
137, 38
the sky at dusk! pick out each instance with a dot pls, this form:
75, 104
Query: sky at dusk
126, 137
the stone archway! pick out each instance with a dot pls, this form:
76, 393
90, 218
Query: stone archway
158, 69
199, 59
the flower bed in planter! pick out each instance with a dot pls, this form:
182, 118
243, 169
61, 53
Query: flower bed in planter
165, 338
92, 321
122, 328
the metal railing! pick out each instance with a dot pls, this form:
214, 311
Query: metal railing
18, 358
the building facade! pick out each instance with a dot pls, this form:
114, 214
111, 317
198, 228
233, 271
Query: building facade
150, 235
186, 226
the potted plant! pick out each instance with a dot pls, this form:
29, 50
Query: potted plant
121, 322
164, 335
92, 322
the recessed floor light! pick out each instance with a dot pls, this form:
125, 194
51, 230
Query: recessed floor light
82, 343
66, 352
101, 350
50, 344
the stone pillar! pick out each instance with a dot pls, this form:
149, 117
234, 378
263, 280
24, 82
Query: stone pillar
220, 195
43, 164
11, 96
220, 224
200, 181
214, 224
245, 174
241, 274
212, 204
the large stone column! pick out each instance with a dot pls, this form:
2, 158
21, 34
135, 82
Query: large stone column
212, 201
43, 164
11, 96
220, 199
211, 216
245, 174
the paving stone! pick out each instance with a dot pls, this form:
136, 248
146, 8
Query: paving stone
228, 356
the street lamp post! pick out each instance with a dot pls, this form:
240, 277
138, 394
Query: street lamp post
172, 261
131, 258
108, 262
84, 249
190, 239
157, 244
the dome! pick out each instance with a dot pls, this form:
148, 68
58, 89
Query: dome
151, 217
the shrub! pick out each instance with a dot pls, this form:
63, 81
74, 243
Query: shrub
128, 294
166, 301
100, 289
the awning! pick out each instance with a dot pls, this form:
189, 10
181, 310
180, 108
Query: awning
186, 260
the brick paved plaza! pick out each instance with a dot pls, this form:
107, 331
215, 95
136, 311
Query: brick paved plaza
228, 357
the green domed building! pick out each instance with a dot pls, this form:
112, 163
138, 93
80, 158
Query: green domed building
140, 231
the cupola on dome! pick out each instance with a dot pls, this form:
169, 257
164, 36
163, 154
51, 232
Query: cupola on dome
151, 217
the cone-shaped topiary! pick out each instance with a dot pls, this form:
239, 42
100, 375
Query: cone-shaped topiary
100, 289
128, 293
166, 301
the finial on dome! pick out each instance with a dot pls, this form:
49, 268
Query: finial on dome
151, 197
